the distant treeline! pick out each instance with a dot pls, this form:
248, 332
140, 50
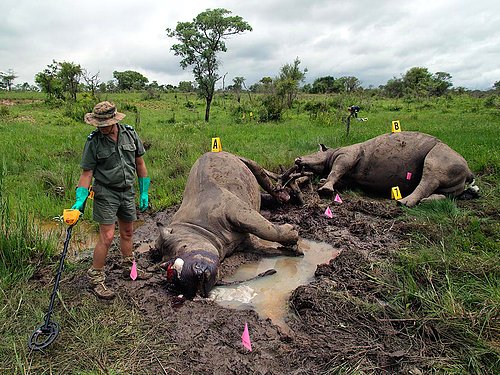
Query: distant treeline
64, 79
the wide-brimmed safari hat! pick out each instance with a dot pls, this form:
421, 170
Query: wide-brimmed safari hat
104, 114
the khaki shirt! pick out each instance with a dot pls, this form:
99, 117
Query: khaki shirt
113, 163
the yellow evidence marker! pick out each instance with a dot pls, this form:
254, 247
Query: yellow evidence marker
395, 193
216, 145
396, 126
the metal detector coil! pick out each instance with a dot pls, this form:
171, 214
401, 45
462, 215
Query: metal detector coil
43, 336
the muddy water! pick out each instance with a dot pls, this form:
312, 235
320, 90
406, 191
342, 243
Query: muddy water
268, 295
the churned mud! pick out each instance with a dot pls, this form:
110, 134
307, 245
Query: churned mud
342, 319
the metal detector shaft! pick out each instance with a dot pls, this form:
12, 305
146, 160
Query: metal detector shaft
48, 331
58, 276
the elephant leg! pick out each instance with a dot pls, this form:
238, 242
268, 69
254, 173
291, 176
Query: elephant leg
427, 186
257, 246
424, 189
444, 171
247, 220
264, 181
340, 167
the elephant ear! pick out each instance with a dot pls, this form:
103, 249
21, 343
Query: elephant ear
165, 232
322, 147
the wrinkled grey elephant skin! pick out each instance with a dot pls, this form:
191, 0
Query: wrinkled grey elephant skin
387, 161
219, 212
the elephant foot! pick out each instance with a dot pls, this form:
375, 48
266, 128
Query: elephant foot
405, 202
326, 190
433, 197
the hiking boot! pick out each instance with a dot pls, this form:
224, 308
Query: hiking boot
96, 281
127, 267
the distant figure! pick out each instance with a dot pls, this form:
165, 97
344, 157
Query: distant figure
354, 109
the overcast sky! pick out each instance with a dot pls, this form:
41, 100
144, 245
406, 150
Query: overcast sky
372, 40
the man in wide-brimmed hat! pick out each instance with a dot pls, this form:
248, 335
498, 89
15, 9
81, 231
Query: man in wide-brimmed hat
112, 156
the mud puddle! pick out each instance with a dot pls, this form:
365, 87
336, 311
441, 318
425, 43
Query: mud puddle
269, 295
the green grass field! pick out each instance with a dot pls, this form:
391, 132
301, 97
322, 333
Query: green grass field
449, 269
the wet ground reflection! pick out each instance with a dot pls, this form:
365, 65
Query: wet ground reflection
268, 296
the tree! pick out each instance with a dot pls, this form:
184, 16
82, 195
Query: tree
394, 88
416, 81
7, 78
441, 82
200, 42
288, 81
49, 81
238, 86
349, 83
70, 74
186, 86
24, 87
324, 85
59, 78
264, 86
92, 81
111, 85
130, 79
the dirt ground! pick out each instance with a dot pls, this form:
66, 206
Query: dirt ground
342, 320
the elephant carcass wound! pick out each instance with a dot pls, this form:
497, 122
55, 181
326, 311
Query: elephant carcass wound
219, 211
419, 164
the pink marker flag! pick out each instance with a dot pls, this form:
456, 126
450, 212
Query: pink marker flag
245, 338
337, 199
328, 212
133, 271
408, 175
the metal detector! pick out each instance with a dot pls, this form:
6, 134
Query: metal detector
48, 331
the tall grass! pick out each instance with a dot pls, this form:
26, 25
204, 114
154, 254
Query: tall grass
449, 281
22, 243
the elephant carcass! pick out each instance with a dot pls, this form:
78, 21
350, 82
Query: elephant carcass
421, 166
219, 212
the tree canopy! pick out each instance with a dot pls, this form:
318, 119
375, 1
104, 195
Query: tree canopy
200, 42
70, 73
418, 82
7, 79
130, 79
288, 81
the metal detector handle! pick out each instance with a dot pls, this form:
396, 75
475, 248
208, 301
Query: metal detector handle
71, 215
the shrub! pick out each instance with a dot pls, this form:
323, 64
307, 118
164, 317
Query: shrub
77, 110
4, 111
272, 108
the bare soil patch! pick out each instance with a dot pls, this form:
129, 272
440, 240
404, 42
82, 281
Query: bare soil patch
343, 319
11, 102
